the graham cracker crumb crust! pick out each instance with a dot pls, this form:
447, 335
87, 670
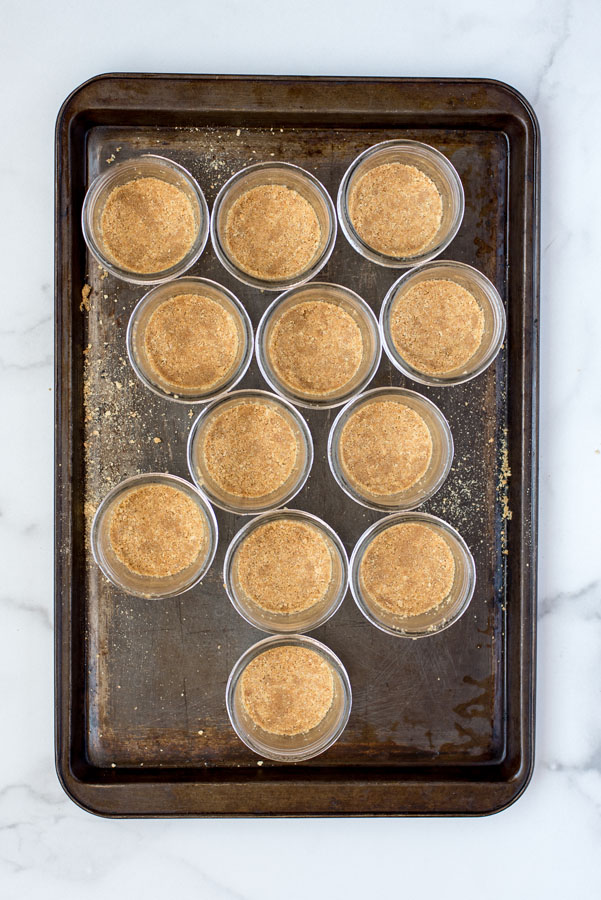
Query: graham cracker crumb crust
287, 690
147, 225
385, 447
437, 326
157, 530
272, 232
191, 342
315, 347
408, 569
284, 566
396, 209
249, 449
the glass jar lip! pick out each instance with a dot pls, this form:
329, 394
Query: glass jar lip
357, 242
377, 528
153, 478
319, 746
336, 428
112, 174
282, 283
259, 394
272, 515
178, 284
497, 338
269, 375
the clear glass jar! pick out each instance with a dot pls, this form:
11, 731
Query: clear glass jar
249, 505
147, 166
485, 294
144, 585
434, 620
292, 177
298, 747
286, 623
440, 462
138, 323
361, 314
429, 161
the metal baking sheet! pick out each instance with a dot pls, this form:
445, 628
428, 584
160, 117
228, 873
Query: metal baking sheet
441, 726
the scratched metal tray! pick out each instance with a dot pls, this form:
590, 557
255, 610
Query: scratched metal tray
440, 726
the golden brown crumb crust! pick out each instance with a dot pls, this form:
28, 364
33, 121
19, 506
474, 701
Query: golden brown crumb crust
287, 690
408, 569
156, 530
272, 232
385, 447
147, 225
396, 209
284, 566
249, 449
315, 347
437, 326
191, 342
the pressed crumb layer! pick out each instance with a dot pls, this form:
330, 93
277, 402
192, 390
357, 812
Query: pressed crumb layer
437, 326
147, 225
315, 347
385, 447
249, 449
191, 342
284, 566
408, 569
287, 690
156, 530
396, 209
272, 232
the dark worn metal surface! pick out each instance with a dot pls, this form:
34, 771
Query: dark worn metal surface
439, 726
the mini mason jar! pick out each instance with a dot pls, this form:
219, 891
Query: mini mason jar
121, 173
438, 467
487, 298
151, 587
243, 502
287, 622
289, 176
433, 620
431, 163
348, 302
138, 352
297, 747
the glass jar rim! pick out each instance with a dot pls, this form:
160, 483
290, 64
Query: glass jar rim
113, 174
354, 238
176, 284
267, 371
282, 283
498, 314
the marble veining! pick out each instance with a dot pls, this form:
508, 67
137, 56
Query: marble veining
548, 844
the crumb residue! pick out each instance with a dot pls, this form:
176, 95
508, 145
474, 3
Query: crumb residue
85, 298
503, 484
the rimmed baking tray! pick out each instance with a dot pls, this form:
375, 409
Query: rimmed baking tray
441, 726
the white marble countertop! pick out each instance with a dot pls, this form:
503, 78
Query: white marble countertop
548, 844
